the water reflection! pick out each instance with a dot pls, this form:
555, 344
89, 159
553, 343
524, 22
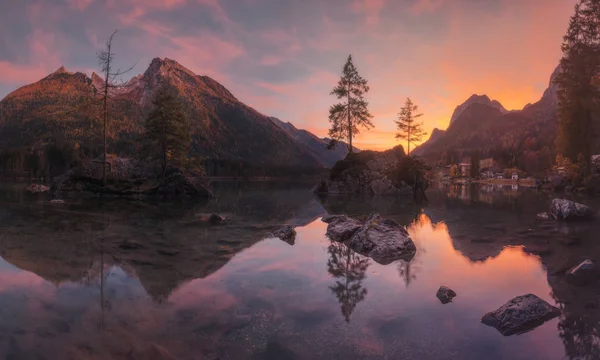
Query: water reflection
113, 280
349, 269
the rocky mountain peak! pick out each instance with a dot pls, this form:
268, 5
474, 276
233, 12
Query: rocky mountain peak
476, 99
551, 93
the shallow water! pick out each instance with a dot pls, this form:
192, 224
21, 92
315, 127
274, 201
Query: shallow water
106, 279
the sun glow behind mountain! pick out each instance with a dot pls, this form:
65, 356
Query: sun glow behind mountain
283, 58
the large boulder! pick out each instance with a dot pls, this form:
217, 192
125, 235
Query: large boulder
521, 314
384, 240
342, 228
367, 172
567, 210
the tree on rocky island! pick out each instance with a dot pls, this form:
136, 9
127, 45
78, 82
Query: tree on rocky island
577, 93
348, 116
408, 128
167, 131
110, 83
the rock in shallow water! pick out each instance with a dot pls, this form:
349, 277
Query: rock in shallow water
384, 240
567, 210
445, 294
521, 314
583, 273
287, 234
342, 228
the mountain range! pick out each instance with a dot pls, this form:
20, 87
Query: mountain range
63, 107
482, 126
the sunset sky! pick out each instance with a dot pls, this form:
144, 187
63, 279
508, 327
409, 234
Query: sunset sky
283, 57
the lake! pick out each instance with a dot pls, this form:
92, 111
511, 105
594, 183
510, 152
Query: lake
113, 279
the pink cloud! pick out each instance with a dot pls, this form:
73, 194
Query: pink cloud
20, 74
370, 8
426, 6
80, 4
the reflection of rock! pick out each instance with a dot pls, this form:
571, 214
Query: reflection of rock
521, 314
384, 240
287, 234
445, 294
349, 269
567, 210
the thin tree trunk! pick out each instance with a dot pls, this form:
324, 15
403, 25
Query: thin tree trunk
106, 79
350, 150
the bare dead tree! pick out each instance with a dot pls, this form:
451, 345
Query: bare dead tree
111, 83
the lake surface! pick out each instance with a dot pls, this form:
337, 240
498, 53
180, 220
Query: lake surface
108, 279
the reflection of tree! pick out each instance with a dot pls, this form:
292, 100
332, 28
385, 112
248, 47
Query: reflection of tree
580, 335
349, 268
579, 329
405, 273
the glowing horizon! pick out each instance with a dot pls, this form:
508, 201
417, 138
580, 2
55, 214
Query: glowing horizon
283, 58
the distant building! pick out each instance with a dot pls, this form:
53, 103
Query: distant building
487, 174
486, 163
465, 166
499, 176
515, 176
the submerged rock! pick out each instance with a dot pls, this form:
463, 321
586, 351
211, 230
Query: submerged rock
567, 210
543, 216
215, 219
384, 240
342, 228
287, 234
521, 314
583, 273
445, 294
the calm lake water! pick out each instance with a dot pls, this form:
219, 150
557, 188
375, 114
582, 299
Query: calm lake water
107, 279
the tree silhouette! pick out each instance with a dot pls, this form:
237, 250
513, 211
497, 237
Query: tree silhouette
577, 93
349, 269
346, 117
408, 128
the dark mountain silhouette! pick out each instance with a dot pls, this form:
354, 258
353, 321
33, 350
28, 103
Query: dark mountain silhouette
523, 136
315, 145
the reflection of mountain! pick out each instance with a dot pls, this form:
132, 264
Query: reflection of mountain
163, 250
349, 269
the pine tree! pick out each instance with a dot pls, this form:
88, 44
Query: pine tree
408, 128
167, 131
577, 93
352, 113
